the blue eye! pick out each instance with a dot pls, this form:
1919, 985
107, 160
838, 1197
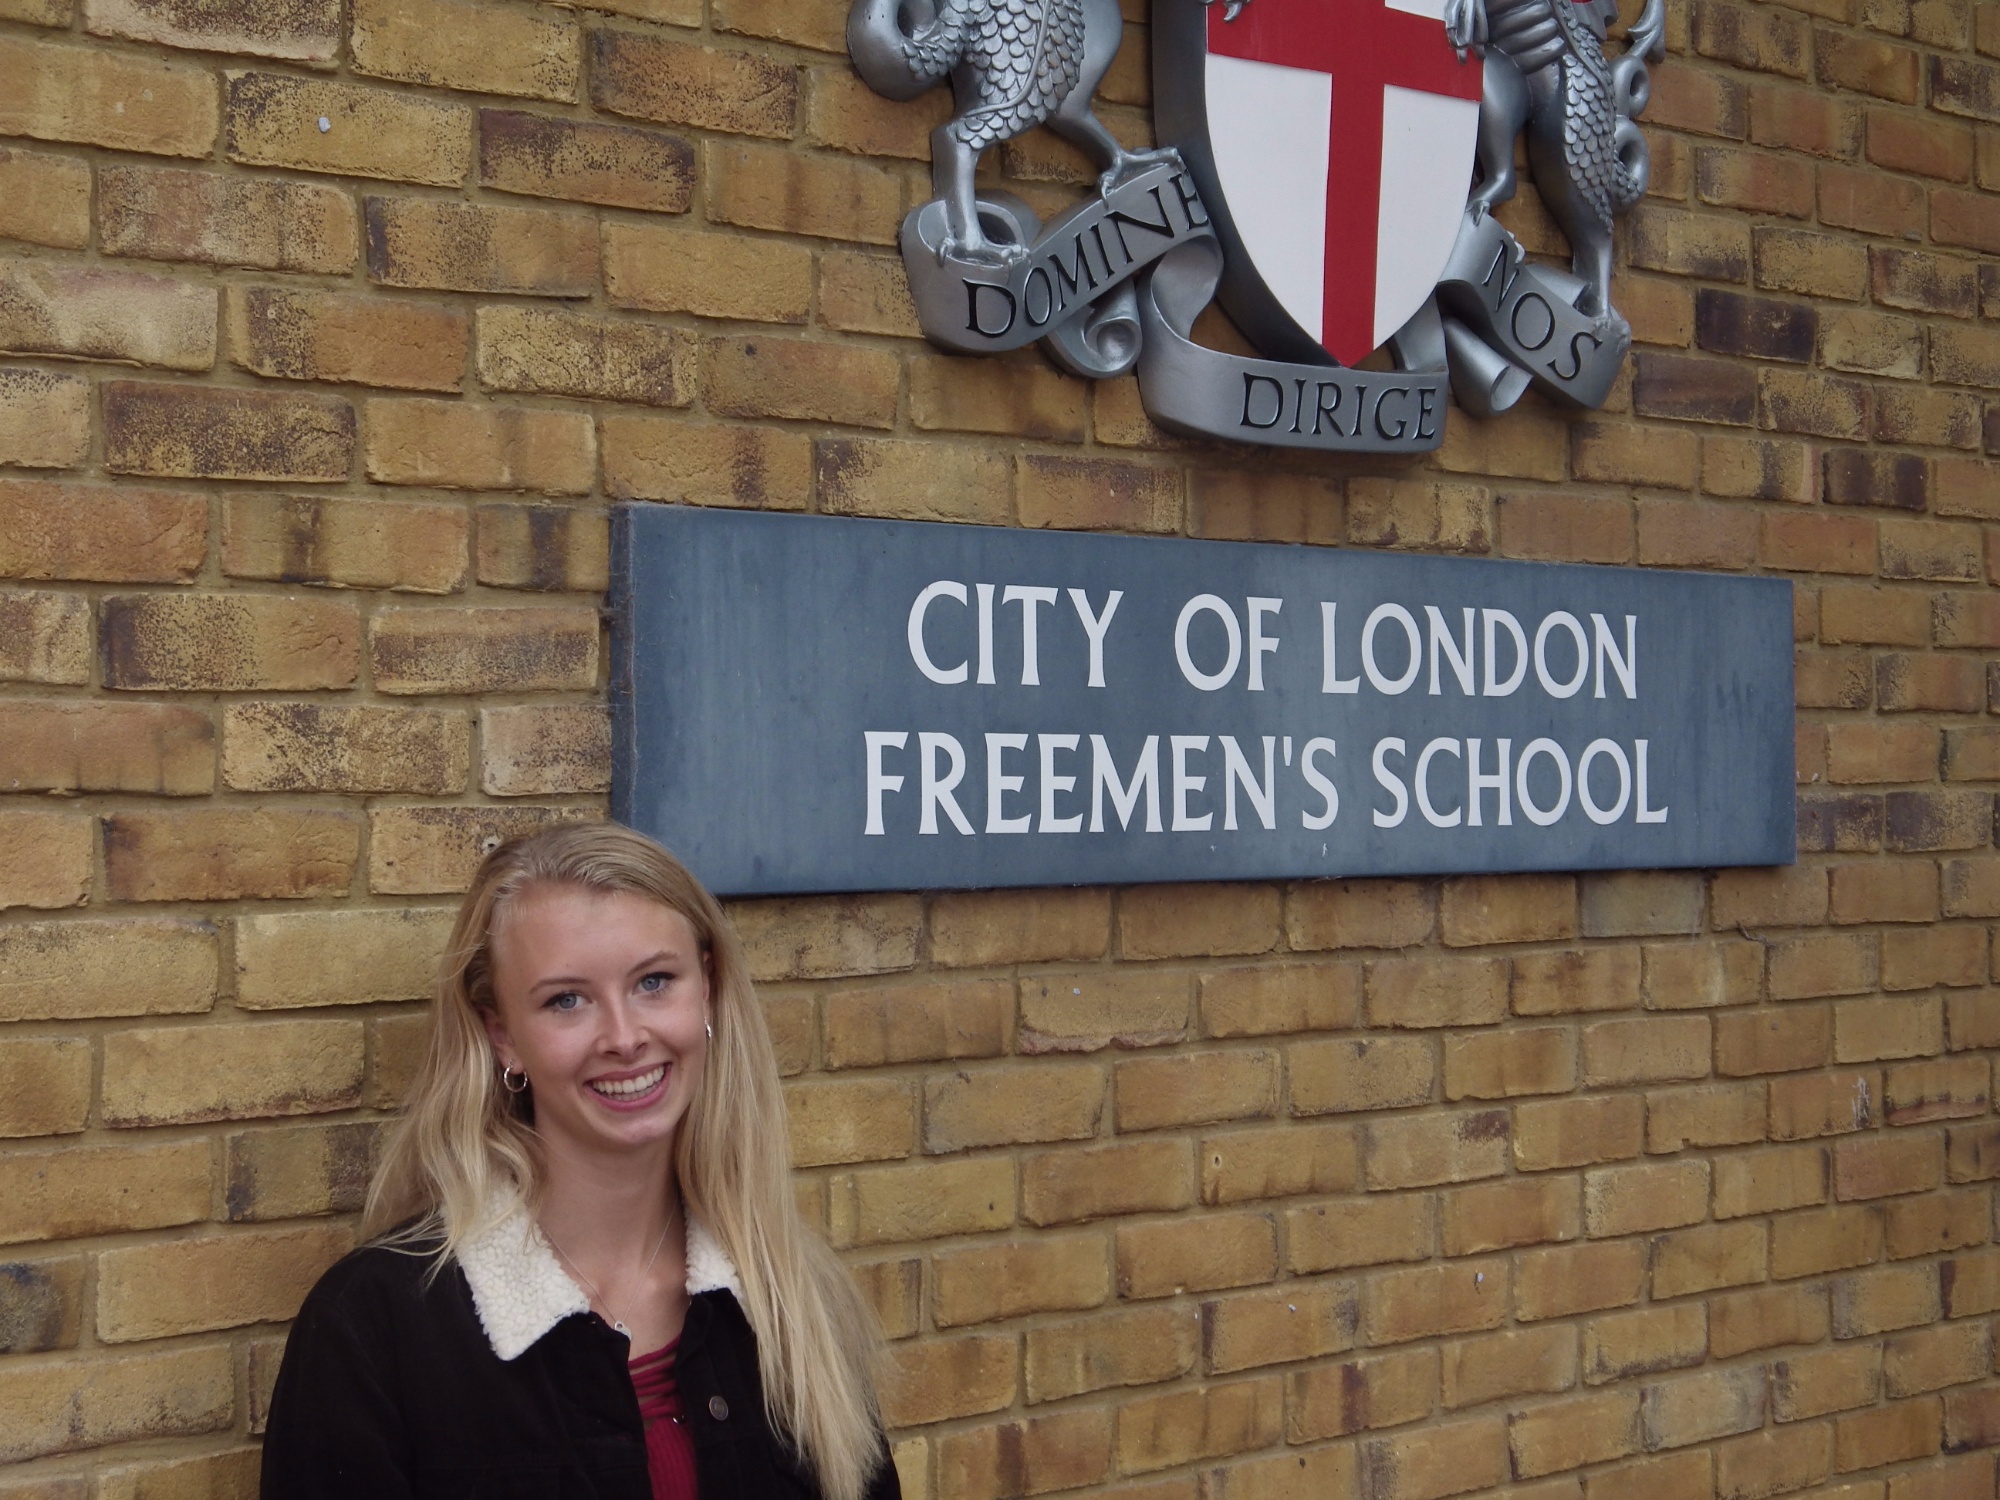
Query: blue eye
567, 1000
652, 984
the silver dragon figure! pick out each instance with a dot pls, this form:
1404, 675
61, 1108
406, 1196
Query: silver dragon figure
1013, 64
1545, 71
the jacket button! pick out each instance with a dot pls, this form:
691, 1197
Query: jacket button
718, 1408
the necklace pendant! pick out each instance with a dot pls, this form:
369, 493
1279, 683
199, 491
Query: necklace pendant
623, 1329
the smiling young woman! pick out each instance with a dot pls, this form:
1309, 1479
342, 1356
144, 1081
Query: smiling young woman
587, 1273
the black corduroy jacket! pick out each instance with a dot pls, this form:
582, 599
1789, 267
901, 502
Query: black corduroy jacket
494, 1381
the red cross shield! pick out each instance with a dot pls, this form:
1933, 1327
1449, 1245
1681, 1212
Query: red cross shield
1333, 141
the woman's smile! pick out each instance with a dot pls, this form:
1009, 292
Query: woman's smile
632, 1091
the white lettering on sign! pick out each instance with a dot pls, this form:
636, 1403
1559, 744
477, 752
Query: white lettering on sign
1035, 779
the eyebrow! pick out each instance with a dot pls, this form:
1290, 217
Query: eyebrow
665, 955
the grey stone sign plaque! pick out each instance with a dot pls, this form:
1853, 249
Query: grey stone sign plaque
806, 703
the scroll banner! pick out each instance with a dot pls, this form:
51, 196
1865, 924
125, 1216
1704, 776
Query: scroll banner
1151, 236
1528, 313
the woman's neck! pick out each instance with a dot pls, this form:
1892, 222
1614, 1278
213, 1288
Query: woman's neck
608, 1214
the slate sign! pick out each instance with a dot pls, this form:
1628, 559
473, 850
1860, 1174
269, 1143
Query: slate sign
807, 703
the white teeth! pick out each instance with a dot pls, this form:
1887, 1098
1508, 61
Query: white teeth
631, 1088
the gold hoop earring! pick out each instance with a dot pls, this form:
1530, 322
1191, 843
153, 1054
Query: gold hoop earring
507, 1077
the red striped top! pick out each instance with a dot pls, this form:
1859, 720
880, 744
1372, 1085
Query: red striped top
669, 1450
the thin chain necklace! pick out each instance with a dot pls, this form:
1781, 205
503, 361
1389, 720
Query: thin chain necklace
597, 1296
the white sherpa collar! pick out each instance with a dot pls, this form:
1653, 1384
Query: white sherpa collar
521, 1290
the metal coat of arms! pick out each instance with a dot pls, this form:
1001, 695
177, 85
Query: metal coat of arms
1328, 174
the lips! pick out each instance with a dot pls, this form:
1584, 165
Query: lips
626, 1089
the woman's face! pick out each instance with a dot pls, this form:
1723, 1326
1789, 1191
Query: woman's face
602, 999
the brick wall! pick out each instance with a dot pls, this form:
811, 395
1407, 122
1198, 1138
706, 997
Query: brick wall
332, 329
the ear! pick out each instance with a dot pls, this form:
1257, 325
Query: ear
496, 1034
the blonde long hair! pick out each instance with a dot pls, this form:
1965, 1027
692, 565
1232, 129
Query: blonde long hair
463, 1153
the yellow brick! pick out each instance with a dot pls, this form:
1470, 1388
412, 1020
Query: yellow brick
374, 132
1209, 1252
891, 1205
1571, 1279
228, 853
1479, 909
224, 1281
1546, 984
1656, 1049
1360, 914
1644, 1342
345, 543
1300, 1320
1365, 1073
485, 49
44, 1086
1628, 1200
1071, 1274
311, 747
1301, 1474
90, 1401
1503, 1214
1577, 1132
1280, 1162
851, 1120
1425, 992
917, 1022
1696, 1408
1423, 1150
1027, 1102
69, 970
1720, 1114
1077, 1355
971, 929
1827, 1380
1060, 1451
1268, 999
1708, 1256
1525, 1361
459, 446
44, 637
296, 1170
1369, 1231
1568, 1434
544, 750
1195, 1088
1432, 1300
1766, 1319
432, 850
102, 98
281, 959
828, 937
81, 1190
1505, 1064
705, 463
1770, 1181
186, 1074
661, 268
930, 1380
227, 1475
45, 859
1087, 1010
1440, 1461
1159, 1432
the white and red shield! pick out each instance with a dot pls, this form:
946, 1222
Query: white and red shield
1333, 140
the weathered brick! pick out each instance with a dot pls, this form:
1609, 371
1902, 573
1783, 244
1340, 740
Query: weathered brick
1428, 992
1629, 1200
1049, 1275
477, 48
1383, 1391
100, 533
1500, 1215
302, 31
1368, 1231
1561, 983
45, 859
171, 213
471, 247
44, 199
1575, 1132
273, 121
1065, 1187
104, 98
219, 1281
1088, 1010
298, 1170
1058, 1451
44, 1090
1304, 1321
935, 1379
653, 77
1652, 1050
1211, 1252
178, 1075
1043, 1102
192, 432
1359, 914
95, 313
813, 380
1723, 1114
455, 445
1423, 1150
1569, 1434
311, 747
228, 854
828, 938
90, 1401
484, 649
1643, 1343
289, 334
1417, 514
387, 955
917, 1023
620, 166
1279, 1162
345, 543
766, 187
228, 643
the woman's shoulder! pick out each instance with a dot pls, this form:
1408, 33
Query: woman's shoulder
379, 1278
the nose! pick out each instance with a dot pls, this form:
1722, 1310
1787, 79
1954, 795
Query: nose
619, 1034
